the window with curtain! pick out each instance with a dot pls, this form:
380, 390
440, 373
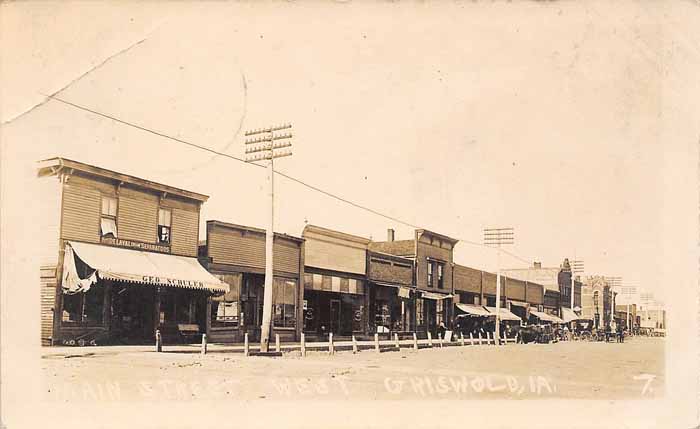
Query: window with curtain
164, 221
108, 217
225, 309
284, 299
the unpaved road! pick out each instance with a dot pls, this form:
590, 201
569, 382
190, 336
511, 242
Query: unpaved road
578, 370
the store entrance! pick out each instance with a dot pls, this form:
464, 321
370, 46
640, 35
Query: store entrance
133, 313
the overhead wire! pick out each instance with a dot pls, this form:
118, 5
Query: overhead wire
282, 174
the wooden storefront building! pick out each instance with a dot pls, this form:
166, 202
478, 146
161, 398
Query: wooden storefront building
119, 257
336, 296
236, 255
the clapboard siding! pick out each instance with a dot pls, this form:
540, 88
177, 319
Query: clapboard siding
185, 232
515, 289
248, 250
49, 205
81, 211
137, 216
48, 295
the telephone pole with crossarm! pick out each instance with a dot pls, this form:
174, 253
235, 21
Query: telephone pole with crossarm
265, 147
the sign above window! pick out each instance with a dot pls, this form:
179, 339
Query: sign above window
135, 244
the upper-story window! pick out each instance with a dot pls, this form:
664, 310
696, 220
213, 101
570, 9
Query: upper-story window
164, 221
440, 275
430, 274
108, 218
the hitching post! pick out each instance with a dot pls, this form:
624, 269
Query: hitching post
159, 341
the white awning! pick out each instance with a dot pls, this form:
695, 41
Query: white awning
568, 315
546, 317
435, 296
474, 310
503, 313
137, 266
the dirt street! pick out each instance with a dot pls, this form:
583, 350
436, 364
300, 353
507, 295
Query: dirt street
577, 370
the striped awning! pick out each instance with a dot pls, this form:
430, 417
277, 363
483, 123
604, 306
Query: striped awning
134, 266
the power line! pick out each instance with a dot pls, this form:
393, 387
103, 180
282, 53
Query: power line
286, 176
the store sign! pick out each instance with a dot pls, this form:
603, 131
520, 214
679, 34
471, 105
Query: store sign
135, 244
172, 282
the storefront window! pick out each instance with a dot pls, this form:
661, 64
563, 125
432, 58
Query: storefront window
225, 309
84, 307
284, 303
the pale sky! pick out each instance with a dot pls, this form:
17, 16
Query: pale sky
564, 120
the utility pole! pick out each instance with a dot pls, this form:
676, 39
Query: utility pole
498, 237
576, 268
615, 284
265, 147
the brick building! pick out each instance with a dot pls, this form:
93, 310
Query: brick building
432, 256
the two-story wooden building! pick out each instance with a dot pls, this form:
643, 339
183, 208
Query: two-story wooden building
119, 257
432, 255
236, 255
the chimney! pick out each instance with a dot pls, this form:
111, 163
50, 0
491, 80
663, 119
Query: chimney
537, 264
390, 234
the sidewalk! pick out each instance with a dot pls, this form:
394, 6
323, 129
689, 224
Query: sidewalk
385, 345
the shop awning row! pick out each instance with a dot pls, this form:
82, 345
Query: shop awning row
545, 317
504, 314
135, 266
478, 310
472, 309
